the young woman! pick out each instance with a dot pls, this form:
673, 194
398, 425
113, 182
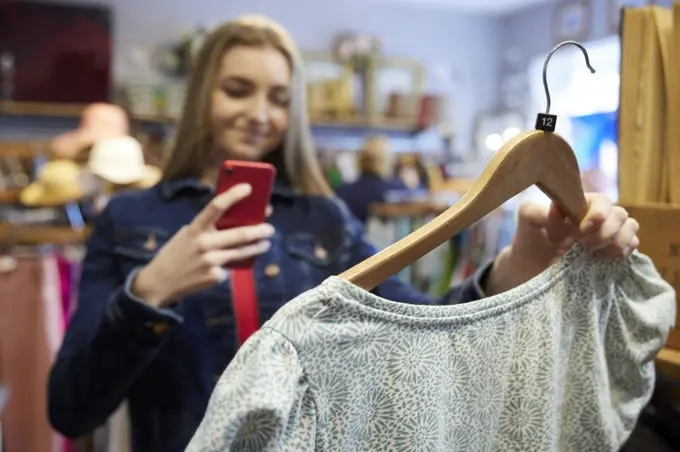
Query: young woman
154, 324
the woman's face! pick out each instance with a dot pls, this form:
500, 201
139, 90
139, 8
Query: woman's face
249, 110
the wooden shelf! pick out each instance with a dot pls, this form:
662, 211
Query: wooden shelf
72, 111
40, 109
41, 235
9, 196
384, 124
460, 186
22, 150
668, 363
55, 110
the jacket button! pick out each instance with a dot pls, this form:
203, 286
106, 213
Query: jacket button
320, 253
272, 271
150, 244
159, 327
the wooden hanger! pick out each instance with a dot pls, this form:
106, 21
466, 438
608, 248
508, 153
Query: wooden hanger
538, 157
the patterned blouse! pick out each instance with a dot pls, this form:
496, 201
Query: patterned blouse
561, 363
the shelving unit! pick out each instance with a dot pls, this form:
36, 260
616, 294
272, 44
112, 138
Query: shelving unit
381, 124
22, 149
73, 111
39, 109
38, 235
68, 111
9, 196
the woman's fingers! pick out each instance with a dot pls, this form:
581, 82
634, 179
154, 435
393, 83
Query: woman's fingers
222, 257
235, 237
207, 218
599, 209
604, 235
624, 242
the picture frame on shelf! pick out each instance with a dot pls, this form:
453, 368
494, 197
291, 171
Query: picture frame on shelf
396, 75
320, 65
572, 21
323, 75
614, 8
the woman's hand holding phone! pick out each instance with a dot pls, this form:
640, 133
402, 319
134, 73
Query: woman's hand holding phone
195, 257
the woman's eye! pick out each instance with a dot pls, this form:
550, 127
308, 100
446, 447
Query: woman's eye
281, 99
237, 92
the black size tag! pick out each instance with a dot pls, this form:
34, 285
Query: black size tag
546, 122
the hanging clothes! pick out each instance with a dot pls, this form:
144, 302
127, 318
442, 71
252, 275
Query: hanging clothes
562, 362
114, 435
35, 302
67, 278
25, 356
65, 282
451, 263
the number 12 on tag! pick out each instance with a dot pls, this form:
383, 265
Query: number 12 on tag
546, 122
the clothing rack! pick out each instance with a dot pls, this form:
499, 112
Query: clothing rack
450, 263
41, 270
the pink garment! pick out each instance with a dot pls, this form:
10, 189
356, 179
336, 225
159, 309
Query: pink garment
54, 318
65, 280
76, 267
51, 292
25, 358
32, 325
66, 285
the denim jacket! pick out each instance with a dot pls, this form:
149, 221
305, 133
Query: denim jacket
165, 362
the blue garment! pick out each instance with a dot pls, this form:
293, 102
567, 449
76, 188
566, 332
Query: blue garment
368, 189
114, 348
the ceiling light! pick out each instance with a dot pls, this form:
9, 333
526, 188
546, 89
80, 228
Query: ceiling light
494, 142
510, 132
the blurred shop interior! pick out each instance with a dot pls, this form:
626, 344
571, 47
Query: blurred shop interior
438, 86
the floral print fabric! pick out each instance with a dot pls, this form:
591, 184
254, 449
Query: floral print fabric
561, 363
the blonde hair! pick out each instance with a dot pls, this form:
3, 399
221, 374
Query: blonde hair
193, 145
374, 156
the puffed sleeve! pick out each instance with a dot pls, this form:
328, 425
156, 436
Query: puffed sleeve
261, 402
634, 326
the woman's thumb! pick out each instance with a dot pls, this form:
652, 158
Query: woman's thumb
547, 218
534, 214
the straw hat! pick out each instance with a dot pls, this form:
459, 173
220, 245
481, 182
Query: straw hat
58, 183
120, 161
98, 121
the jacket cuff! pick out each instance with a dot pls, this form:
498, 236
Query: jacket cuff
479, 279
472, 289
136, 319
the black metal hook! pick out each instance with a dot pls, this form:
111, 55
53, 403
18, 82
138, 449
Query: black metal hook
545, 68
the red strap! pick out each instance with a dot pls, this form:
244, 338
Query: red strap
245, 303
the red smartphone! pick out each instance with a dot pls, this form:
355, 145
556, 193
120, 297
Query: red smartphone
251, 210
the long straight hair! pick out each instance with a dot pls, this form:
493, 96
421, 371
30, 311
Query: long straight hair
193, 147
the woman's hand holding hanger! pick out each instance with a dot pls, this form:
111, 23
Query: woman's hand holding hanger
544, 234
195, 257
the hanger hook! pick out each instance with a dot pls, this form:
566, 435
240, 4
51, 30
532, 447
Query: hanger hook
545, 68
